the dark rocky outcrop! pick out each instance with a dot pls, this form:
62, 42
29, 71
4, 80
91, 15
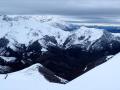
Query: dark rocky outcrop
67, 63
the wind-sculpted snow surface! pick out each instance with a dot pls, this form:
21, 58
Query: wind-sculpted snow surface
66, 54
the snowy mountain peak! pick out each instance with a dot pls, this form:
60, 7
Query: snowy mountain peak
89, 33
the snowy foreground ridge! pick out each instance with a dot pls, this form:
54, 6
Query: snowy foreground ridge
102, 77
44, 50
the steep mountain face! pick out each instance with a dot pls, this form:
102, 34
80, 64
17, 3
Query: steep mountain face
26, 40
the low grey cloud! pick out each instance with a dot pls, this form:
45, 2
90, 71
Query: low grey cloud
94, 9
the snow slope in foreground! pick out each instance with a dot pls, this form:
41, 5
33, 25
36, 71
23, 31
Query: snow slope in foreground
27, 79
103, 77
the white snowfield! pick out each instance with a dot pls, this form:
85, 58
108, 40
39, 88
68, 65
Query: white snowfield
103, 77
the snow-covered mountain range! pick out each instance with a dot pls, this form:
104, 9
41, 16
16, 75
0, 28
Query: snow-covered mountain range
65, 50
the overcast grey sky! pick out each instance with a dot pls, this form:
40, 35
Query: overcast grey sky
92, 9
